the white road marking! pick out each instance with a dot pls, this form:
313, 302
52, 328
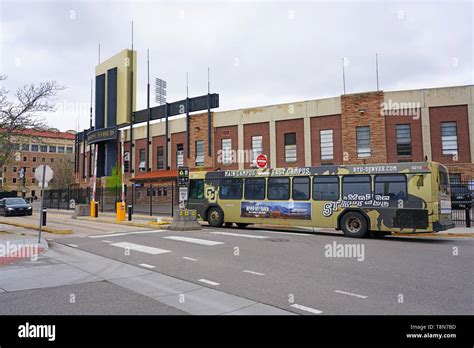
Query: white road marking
141, 248
107, 241
240, 235
146, 265
194, 240
73, 245
189, 258
126, 233
210, 282
350, 294
252, 272
289, 233
307, 309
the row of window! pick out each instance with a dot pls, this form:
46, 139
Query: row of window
42, 148
324, 188
14, 180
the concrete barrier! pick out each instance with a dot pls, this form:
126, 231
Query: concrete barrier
185, 220
81, 210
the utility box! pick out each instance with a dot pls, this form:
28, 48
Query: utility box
185, 220
121, 212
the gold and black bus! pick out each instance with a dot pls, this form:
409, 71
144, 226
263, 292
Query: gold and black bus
357, 199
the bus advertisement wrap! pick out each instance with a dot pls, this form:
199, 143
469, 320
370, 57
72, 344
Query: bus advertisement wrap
276, 210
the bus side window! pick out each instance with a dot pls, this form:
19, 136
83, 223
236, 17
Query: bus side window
301, 188
196, 189
255, 188
359, 185
326, 188
278, 188
230, 189
394, 186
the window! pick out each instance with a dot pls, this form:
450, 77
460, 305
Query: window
25, 147
34, 148
43, 159
363, 141
34, 159
255, 188
394, 186
257, 148
326, 188
52, 149
200, 153
14, 169
44, 148
226, 151
141, 160
33, 169
69, 149
160, 163
126, 161
60, 149
327, 144
33, 180
52, 159
179, 155
230, 189
355, 185
403, 140
301, 188
196, 189
278, 189
290, 147
25, 158
449, 138
15, 147
14, 180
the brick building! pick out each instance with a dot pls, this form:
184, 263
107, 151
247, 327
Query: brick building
50, 147
372, 127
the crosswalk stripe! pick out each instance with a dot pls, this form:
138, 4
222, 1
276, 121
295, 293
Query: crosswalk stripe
126, 233
240, 235
194, 240
141, 248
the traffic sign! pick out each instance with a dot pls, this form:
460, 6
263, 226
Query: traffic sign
48, 174
262, 161
183, 176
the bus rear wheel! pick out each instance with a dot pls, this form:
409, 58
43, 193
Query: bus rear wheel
354, 225
215, 217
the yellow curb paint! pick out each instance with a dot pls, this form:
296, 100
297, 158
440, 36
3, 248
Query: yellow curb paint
33, 227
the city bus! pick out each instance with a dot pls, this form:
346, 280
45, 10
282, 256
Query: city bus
360, 200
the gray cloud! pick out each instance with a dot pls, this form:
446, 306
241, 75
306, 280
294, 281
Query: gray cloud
259, 52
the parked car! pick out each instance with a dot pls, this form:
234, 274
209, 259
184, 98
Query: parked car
461, 196
15, 206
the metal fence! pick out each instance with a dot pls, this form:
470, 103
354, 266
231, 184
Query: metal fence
462, 199
147, 199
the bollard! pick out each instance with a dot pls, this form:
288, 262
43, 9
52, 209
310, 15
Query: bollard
44, 217
120, 209
468, 216
130, 212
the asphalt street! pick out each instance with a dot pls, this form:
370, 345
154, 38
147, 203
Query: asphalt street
266, 270
295, 272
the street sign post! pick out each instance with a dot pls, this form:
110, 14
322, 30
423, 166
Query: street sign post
43, 174
183, 184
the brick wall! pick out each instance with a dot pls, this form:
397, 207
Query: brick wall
177, 138
465, 169
323, 123
256, 129
351, 118
416, 137
226, 133
289, 126
158, 141
456, 114
198, 131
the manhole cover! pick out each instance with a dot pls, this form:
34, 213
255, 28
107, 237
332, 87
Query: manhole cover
277, 240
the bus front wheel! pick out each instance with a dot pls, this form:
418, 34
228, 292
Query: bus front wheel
215, 217
354, 224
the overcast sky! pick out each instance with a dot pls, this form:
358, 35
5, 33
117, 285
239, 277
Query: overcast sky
259, 52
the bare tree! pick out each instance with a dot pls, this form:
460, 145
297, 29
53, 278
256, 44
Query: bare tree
63, 174
20, 114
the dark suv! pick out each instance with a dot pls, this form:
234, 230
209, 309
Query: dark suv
460, 196
15, 206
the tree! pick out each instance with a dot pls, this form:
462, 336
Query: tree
20, 113
63, 175
114, 181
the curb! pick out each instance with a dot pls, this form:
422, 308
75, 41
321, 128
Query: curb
126, 223
446, 235
33, 227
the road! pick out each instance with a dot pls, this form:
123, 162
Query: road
291, 272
